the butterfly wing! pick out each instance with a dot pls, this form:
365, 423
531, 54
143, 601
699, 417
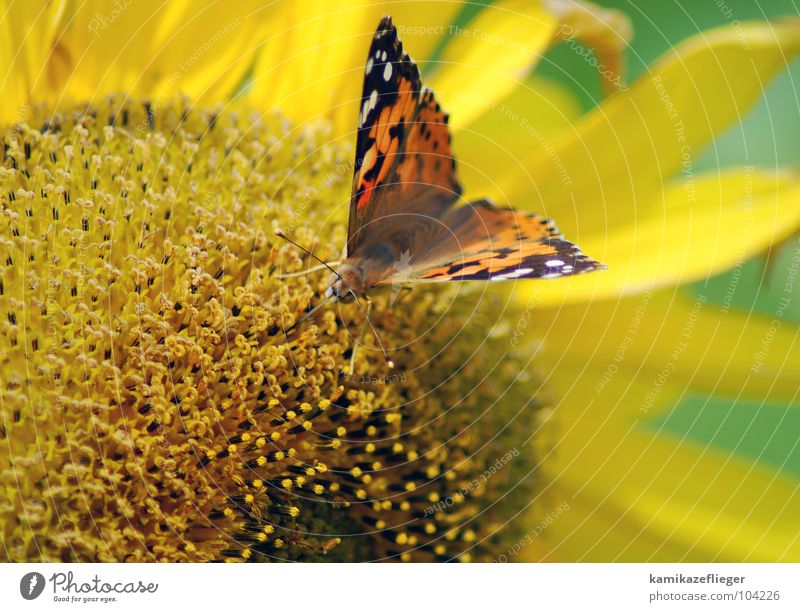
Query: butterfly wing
403, 159
481, 241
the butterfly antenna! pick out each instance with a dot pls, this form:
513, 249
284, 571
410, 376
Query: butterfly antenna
311, 312
305, 250
306, 272
389, 362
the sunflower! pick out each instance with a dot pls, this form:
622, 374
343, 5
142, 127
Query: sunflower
153, 408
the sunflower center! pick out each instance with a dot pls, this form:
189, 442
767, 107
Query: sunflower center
155, 405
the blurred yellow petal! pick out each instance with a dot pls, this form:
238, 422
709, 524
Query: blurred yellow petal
33, 25
156, 50
423, 26
527, 118
636, 494
489, 57
620, 151
306, 68
13, 81
312, 64
708, 346
694, 230
206, 50
103, 48
583, 520
27, 30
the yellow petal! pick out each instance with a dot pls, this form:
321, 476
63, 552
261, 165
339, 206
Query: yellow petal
694, 230
423, 27
618, 154
527, 118
33, 26
13, 89
102, 48
27, 30
489, 57
693, 339
156, 50
562, 528
637, 494
206, 50
313, 59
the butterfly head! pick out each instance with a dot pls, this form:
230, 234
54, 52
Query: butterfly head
345, 285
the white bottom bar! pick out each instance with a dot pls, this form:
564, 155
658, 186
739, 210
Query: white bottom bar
387, 587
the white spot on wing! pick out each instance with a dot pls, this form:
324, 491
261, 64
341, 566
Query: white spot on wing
373, 99
370, 61
553, 263
513, 274
364, 113
387, 72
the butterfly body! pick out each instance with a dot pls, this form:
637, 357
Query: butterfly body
349, 283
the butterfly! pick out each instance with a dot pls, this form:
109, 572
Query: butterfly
405, 225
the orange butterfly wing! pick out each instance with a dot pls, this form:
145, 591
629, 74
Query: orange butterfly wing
403, 159
481, 241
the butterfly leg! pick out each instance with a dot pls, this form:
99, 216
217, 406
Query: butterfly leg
399, 295
360, 336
